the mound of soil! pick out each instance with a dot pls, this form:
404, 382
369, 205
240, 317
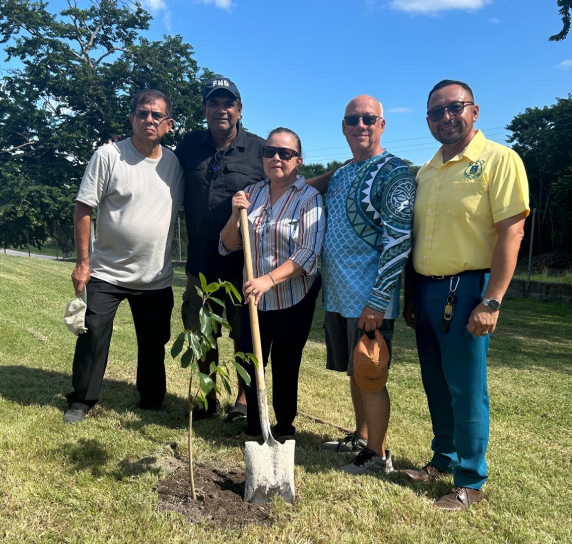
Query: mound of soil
219, 498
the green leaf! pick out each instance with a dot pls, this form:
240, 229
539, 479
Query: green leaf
218, 301
241, 370
226, 385
194, 368
199, 291
220, 320
206, 383
212, 287
247, 357
187, 358
205, 321
212, 367
178, 345
203, 281
232, 293
196, 345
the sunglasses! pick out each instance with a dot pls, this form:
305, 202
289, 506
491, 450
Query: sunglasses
158, 117
268, 151
368, 120
454, 108
217, 163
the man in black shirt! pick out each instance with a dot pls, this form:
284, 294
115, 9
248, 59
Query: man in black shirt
217, 163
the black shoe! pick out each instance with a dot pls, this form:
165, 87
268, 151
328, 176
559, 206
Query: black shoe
74, 415
158, 409
212, 411
238, 412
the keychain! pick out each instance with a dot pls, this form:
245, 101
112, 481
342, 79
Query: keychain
450, 304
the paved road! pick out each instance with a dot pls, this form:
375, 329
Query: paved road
15, 253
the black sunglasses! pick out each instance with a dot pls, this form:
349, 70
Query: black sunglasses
454, 108
217, 163
157, 115
268, 151
368, 120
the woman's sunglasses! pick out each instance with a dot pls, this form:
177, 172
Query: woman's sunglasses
268, 151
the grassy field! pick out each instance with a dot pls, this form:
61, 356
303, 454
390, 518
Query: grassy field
82, 484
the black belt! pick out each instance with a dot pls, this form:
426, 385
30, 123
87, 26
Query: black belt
438, 278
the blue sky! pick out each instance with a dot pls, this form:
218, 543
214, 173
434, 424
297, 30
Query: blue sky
298, 63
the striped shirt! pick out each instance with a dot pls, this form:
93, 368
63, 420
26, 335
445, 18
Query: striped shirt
293, 228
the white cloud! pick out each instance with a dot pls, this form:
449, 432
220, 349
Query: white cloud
222, 4
167, 21
565, 64
400, 110
434, 6
495, 21
155, 5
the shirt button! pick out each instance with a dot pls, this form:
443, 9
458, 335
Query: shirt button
434, 191
425, 257
428, 238
430, 213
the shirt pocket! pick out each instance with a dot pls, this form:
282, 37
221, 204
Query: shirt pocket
196, 174
294, 232
237, 177
467, 199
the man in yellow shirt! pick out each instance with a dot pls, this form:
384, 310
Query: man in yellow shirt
470, 208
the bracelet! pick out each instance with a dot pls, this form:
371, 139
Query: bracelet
273, 282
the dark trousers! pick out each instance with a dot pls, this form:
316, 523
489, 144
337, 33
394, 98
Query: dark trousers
454, 373
151, 312
283, 334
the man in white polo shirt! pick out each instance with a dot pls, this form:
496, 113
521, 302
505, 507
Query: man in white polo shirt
137, 187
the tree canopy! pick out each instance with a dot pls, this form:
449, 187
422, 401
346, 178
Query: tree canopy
78, 71
566, 13
543, 139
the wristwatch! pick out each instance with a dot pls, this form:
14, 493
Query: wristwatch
491, 303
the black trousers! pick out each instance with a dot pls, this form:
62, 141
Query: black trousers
151, 312
283, 334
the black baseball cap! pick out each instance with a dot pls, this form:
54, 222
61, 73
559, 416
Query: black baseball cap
218, 83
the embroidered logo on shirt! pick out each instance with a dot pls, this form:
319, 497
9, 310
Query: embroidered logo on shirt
475, 169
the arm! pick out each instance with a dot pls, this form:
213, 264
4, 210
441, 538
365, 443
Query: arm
230, 235
409, 293
511, 231
397, 220
82, 226
321, 183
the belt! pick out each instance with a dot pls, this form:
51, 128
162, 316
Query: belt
438, 278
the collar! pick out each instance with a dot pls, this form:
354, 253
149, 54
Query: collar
299, 184
472, 152
240, 140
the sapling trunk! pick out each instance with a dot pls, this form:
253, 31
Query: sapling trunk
190, 439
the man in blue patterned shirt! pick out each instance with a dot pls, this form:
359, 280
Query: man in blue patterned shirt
368, 239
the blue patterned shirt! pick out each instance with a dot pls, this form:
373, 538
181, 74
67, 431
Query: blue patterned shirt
374, 197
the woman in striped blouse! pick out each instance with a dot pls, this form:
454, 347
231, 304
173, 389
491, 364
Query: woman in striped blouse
287, 226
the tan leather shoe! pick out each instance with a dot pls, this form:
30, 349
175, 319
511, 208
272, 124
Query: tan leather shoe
428, 473
460, 498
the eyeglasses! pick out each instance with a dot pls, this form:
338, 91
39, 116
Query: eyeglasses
266, 225
454, 108
368, 120
217, 164
158, 117
268, 151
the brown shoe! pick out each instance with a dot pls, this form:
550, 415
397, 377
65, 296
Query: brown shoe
460, 498
428, 473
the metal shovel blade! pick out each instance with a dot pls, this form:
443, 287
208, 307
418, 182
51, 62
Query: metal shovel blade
269, 470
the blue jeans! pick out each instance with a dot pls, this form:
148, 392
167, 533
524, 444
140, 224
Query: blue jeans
454, 373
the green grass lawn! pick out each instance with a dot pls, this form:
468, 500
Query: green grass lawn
81, 484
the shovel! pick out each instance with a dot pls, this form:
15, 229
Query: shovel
270, 466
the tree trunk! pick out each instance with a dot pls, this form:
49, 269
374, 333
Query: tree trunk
190, 440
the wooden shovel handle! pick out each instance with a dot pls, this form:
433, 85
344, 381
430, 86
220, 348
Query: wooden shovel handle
255, 329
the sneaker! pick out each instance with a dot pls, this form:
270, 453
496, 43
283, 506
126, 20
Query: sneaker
368, 462
74, 415
212, 411
351, 443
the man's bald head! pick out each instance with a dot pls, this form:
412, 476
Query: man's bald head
367, 101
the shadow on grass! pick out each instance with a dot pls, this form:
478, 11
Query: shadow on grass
86, 454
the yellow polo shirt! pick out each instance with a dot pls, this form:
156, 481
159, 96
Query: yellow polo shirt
458, 203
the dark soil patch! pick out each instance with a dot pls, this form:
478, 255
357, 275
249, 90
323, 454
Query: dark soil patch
219, 498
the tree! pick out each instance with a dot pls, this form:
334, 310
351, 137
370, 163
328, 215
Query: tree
566, 13
79, 71
197, 342
542, 138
